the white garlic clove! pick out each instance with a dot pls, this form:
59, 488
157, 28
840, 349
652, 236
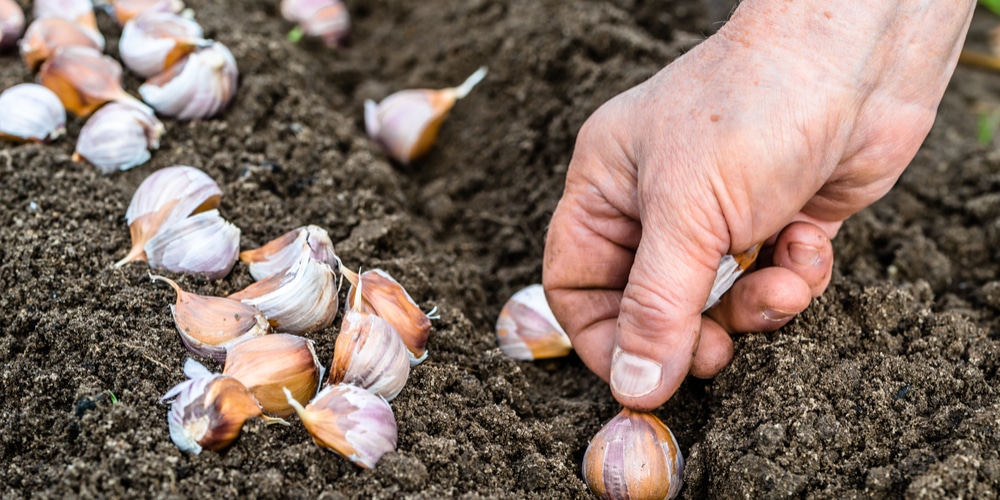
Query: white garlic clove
634, 456
203, 243
198, 87
84, 79
270, 364
527, 329
31, 112
11, 23
324, 19
126, 10
730, 268
210, 325
118, 137
351, 421
79, 11
280, 254
406, 123
47, 34
385, 297
155, 41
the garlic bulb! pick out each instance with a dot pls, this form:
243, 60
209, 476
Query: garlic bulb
280, 254
351, 421
369, 353
11, 23
324, 19
406, 123
267, 364
47, 34
634, 456
31, 112
386, 298
203, 243
198, 87
84, 79
126, 10
79, 11
730, 268
118, 137
210, 325
155, 41
527, 329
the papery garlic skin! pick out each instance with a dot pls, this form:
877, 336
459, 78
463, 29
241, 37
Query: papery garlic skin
47, 34
527, 330
203, 243
280, 254
267, 365
370, 354
31, 112
198, 87
351, 421
389, 300
84, 79
154, 41
11, 23
324, 19
634, 456
126, 10
302, 300
118, 137
79, 11
730, 268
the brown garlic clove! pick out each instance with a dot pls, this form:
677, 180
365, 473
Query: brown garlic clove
390, 301
280, 254
11, 23
31, 112
155, 41
324, 19
527, 330
84, 79
47, 34
730, 268
270, 363
634, 456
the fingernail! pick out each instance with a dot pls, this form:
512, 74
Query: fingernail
776, 315
803, 255
633, 376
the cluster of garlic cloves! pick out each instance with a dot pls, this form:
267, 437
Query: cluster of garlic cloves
272, 364
386, 298
327, 20
118, 136
156, 40
197, 87
527, 330
31, 112
11, 23
634, 456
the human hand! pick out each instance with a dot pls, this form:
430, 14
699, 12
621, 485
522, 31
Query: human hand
792, 118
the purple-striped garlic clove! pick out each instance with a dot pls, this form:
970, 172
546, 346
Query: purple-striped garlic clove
203, 243
118, 136
11, 23
79, 11
406, 123
386, 298
126, 10
327, 20
351, 421
527, 329
155, 41
268, 364
84, 79
31, 112
280, 254
210, 325
634, 456
198, 87
47, 34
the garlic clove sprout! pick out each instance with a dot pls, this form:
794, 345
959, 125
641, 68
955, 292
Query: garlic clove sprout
126, 10
47, 34
84, 79
281, 253
351, 421
527, 329
155, 41
203, 243
31, 112
118, 137
634, 456
79, 11
198, 87
324, 19
210, 325
406, 123
390, 301
267, 364
730, 268
11, 23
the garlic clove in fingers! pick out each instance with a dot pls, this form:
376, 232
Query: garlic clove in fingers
634, 456
199, 86
210, 325
281, 253
350, 421
324, 19
79, 11
730, 268
31, 112
126, 10
389, 300
118, 137
47, 34
155, 41
11, 23
267, 364
203, 243
84, 79
527, 329
406, 123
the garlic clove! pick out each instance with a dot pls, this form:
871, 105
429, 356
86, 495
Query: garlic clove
31, 112
47, 34
730, 268
634, 456
406, 123
351, 421
155, 41
118, 137
203, 243
267, 364
208, 410
126, 10
167, 196
11, 23
79, 11
210, 325
84, 79
324, 19
527, 329
198, 87
390, 301
280, 254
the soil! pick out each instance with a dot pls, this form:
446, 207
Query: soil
885, 387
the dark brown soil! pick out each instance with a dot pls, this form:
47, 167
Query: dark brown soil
885, 387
